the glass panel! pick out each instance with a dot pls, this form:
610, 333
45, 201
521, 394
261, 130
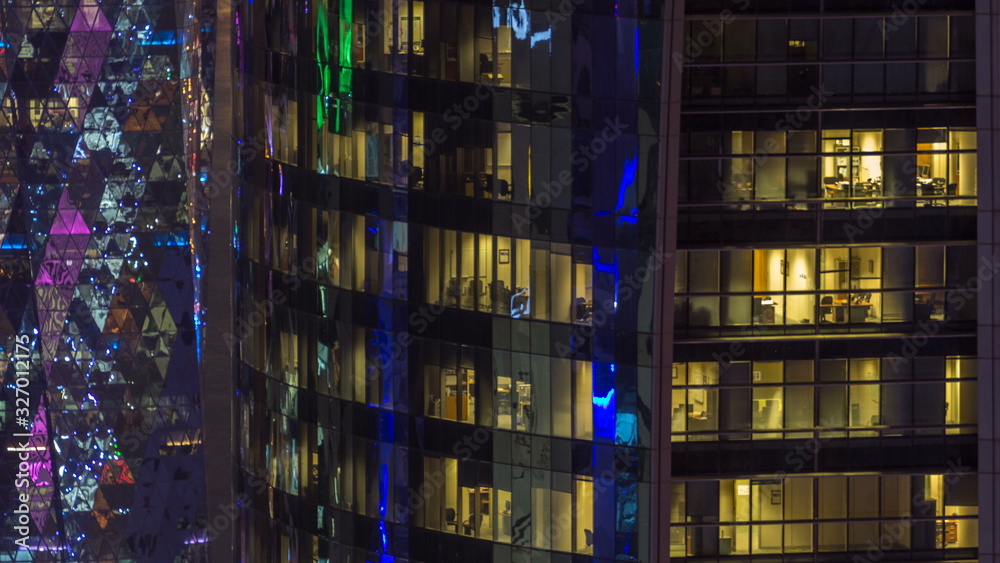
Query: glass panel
501, 503
833, 409
960, 396
864, 493
703, 268
930, 266
868, 34
681, 272
704, 311
736, 271
837, 38
583, 408
832, 498
932, 37
561, 280
583, 537
772, 40
799, 413
832, 537
501, 293
679, 414
739, 40
768, 401
486, 281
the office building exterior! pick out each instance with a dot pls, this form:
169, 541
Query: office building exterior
825, 360
101, 113
472, 242
613, 281
438, 201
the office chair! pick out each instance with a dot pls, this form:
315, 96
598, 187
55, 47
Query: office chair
477, 288
485, 64
415, 177
453, 293
504, 188
826, 307
923, 311
450, 518
832, 185
469, 525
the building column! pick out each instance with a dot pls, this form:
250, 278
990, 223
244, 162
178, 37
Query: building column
663, 336
988, 116
218, 294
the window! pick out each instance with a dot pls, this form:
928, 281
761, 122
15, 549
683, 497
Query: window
857, 397
748, 516
797, 290
854, 168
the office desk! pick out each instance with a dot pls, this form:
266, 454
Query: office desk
838, 189
491, 78
866, 189
842, 308
700, 423
931, 189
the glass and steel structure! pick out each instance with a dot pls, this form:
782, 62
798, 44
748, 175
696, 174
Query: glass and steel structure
493, 302
824, 396
447, 248
551, 281
101, 113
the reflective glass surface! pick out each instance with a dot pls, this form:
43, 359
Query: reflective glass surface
824, 387
447, 246
102, 106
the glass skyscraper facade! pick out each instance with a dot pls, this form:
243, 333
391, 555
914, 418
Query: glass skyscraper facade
101, 113
824, 395
446, 253
610, 281
551, 281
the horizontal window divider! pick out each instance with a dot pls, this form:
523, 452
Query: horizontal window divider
770, 336
734, 156
821, 520
823, 62
825, 383
778, 202
778, 292
894, 108
829, 15
821, 430
814, 246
